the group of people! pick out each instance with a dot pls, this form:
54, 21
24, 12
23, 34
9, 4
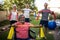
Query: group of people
22, 23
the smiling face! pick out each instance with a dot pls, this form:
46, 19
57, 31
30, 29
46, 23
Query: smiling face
22, 19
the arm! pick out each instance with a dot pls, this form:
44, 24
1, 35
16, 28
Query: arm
31, 11
9, 27
54, 16
34, 26
15, 24
17, 16
9, 16
38, 14
40, 11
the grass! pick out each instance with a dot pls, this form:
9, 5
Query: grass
4, 35
35, 22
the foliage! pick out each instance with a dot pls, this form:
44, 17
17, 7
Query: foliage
4, 22
1, 8
20, 4
50, 17
58, 16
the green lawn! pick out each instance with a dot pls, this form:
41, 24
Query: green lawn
35, 22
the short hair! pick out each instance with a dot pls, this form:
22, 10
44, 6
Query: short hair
14, 5
20, 17
46, 3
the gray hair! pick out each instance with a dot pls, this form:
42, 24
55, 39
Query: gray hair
20, 17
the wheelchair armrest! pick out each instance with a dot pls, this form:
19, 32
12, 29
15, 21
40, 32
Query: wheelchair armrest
34, 34
32, 31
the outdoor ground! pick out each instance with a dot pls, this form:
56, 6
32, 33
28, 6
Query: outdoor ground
51, 36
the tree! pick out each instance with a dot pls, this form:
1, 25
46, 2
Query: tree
20, 4
1, 8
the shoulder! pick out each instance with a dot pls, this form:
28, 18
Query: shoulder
16, 23
40, 11
49, 10
17, 11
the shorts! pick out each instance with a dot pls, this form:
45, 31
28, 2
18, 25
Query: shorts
44, 23
12, 22
27, 20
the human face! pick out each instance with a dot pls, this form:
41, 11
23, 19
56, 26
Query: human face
27, 5
45, 5
22, 19
14, 7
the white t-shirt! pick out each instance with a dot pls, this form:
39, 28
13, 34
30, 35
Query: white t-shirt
26, 12
13, 15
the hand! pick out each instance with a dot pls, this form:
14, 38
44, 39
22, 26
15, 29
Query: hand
13, 24
40, 25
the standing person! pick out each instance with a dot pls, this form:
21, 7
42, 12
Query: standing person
45, 13
13, 17
27, 11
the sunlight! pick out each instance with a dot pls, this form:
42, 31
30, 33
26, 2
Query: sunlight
1, 1
53, 4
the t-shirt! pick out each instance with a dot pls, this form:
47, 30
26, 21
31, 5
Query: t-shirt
26, 12
13, 16
22, 30
45, 14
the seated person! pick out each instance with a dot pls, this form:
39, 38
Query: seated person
22, 28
